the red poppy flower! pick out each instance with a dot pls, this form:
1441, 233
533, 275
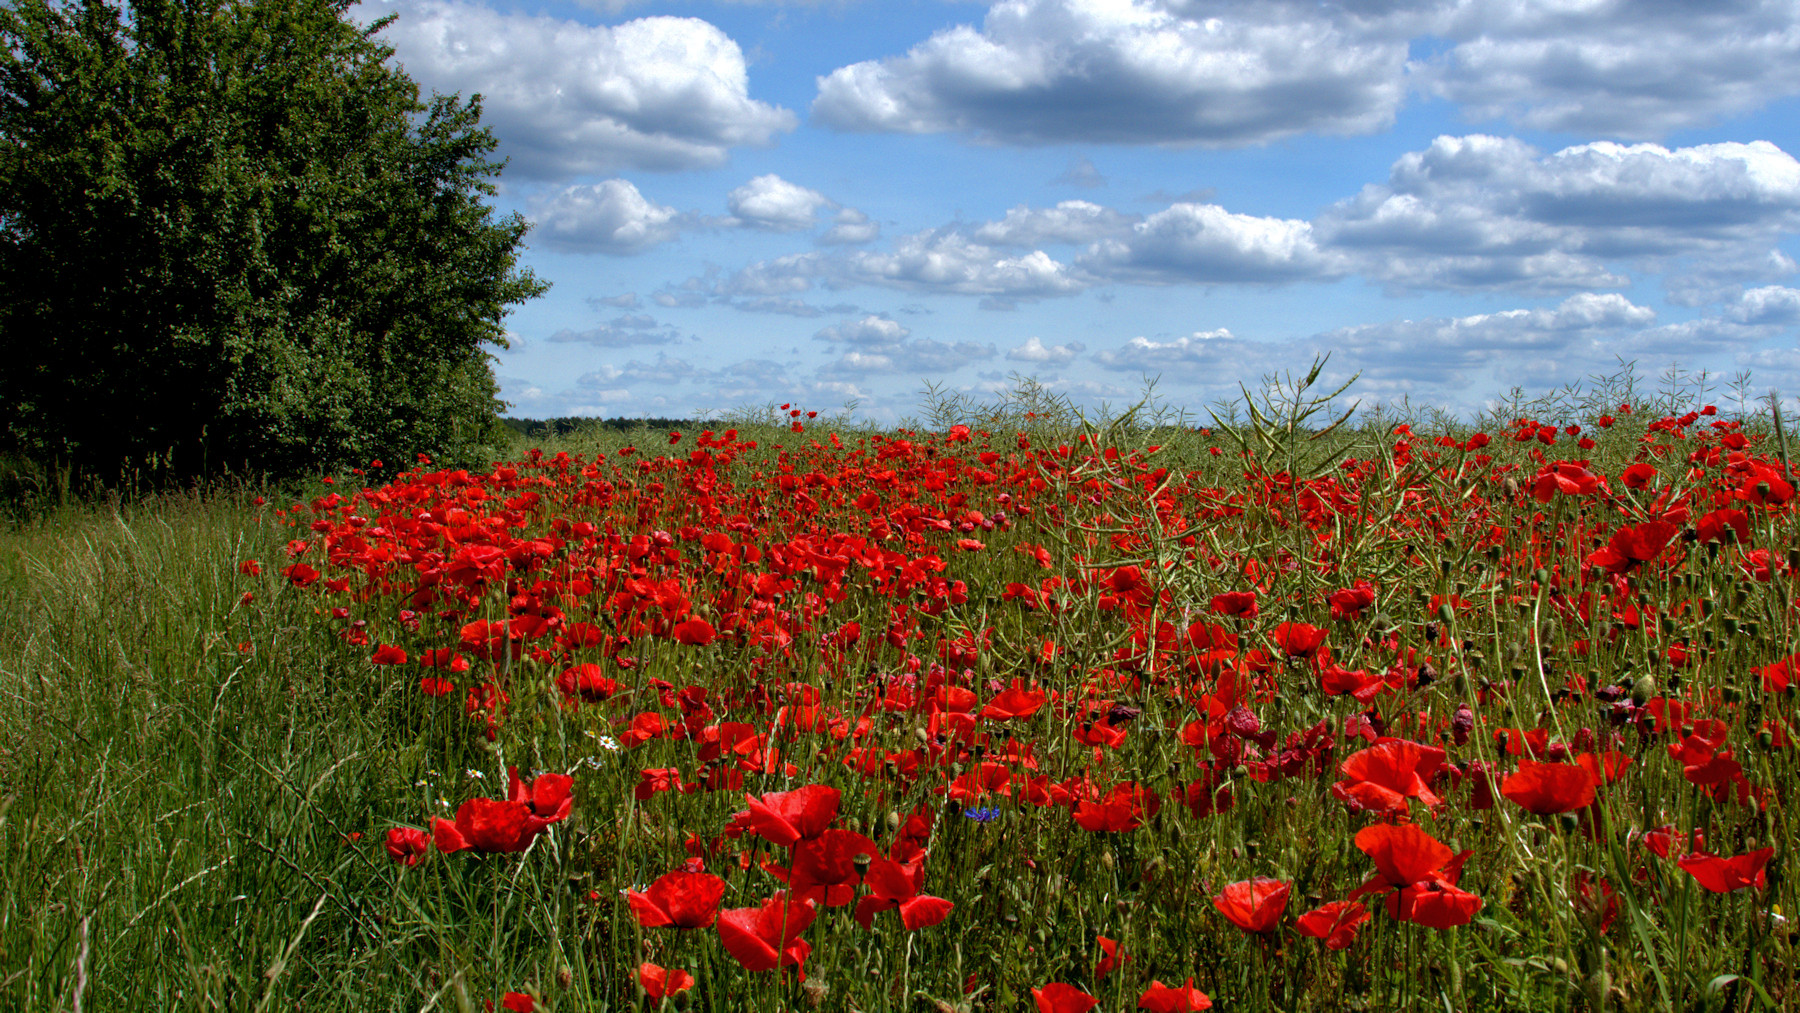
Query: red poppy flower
490, 640
785, 817
1435, 904
824, 867
1723, 875
1638, 476
1099, 734
653, 780
444, 657
1254, 905
1121, 809
586, 683
1423, 870
388, 654
1235, 603
1030, 596
1160, 998
1764, 486
1549, 788
300, 575
1712, 526
1112, 958
1403, 854
1761, 565
1571, 478
407, 845
487, 825
1205, 795
644, 727
1604, 768
1336, 680
1595, 900
660, 982
1703, 763
1633, 544
683, 899
1666, 841
518, 1002
1779, 675
1336, 922
476, 564
1382, 777
1349, 602
1057, 997
1298, 640
892, 885
547, 797
764, 938
694, 631
1014, 702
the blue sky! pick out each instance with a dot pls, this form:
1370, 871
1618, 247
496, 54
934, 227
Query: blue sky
741, 203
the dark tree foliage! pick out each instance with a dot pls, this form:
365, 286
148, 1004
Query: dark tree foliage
568, 424
233, 236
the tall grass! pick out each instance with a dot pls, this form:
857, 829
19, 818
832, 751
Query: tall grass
181, 774
192, 785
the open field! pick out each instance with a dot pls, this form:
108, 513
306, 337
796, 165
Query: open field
1005, 713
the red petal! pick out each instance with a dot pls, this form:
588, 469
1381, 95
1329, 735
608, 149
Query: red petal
924, 912
1057, 997
1404, 854
1160, 998
648, 913
737, 930
444, 834
1549, 788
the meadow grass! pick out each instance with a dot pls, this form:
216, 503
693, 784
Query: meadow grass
194, 785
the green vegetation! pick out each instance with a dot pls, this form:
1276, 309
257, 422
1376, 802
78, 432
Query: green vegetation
233, 238
194, 785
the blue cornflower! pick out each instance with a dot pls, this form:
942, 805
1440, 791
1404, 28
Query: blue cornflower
987, 815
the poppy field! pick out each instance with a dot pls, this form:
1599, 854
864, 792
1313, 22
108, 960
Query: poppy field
1023, 713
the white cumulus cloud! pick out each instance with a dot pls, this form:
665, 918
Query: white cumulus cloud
1132, 71
1035, 351
606, 217
1481, 211
770, 202
1207, 244
1070, 221
1227, 72
850, 227
1771, 304
566, 98
937, 260
870, 330
1623, 68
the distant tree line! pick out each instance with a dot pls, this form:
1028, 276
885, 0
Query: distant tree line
568, 425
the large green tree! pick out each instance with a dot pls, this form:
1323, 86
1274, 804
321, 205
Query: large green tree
233, 236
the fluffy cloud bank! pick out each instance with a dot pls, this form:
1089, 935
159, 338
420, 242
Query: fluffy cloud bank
1480, 211
1227, 73
1049, 71
567, 98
